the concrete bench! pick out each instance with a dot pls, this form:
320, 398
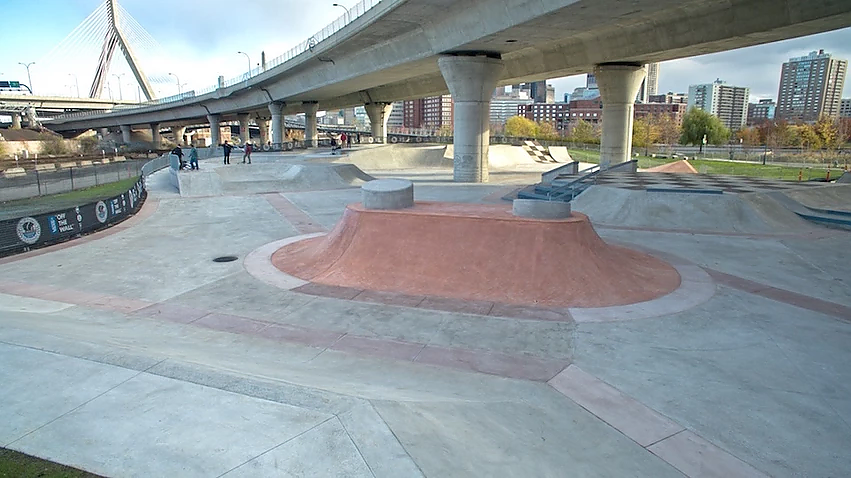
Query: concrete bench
119, 159
67, 165
45, 167
388, 194
86, 162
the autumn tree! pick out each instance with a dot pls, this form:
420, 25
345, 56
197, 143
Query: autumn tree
828, 132
697, 124
584, 132
669, 129
519, 126
645, 132
546, 130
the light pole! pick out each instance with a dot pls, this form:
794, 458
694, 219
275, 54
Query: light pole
348, 14
76, 83
29, 78
120, 94
179, 91
247, 75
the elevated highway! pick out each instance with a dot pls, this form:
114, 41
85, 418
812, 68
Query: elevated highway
391, 52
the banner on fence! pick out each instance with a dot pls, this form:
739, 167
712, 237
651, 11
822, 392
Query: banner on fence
38, 230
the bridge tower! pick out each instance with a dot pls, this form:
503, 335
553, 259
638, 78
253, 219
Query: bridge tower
114, 37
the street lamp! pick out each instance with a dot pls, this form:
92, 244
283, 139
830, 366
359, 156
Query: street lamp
120, 94
348, 15
249, 63
76, 83
179, 91
29, 78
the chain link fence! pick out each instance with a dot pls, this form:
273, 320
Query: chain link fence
44, 181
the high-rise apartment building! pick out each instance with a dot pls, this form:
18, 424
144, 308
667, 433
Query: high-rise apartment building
591, 81
431, 112
811, 87
729, 103
538, 91
650, 84
397, 115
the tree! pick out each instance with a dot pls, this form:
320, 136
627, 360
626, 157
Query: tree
805, 136
645, 132
828, 132
669, 129
697, 124
546, 130
520, 127
445, 131
583, 132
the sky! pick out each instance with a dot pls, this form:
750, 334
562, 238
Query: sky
198, 41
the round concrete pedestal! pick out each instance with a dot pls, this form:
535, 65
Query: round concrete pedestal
538, 209
388, 194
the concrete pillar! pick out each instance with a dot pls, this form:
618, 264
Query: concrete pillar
155, 135
311, 134
263, 125
619, 84
104, 133
244, 132
125, 133
179, 133
215, 131
16, 121
379, 114
276, 108
471, 80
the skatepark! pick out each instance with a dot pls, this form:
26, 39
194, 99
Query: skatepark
671, 325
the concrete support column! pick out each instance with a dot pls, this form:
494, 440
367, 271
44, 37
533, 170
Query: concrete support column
619, 84
104, 133
16, 121
244, 132
155, 135
263, 125
276, 108
179, 133
311, 133
215, 131
379, 114
125, 133
471, 80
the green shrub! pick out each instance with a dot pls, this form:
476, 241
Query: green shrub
54, 147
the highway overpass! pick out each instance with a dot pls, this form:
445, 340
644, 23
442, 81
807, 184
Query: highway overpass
18, 106
403, 49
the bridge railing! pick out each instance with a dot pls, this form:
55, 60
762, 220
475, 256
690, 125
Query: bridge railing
353, 13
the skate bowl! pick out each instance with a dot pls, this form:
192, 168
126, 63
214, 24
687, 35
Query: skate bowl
261, 178
477, 252
750, 213
830, 196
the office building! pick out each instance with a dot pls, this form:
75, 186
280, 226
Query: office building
412, 113
432, 112
649, 85
654, 110
538, 91
729, 103
397, 115
591, 81
761, 112
811, 87
505, 107
586, 110
669, 97
553, 113
845, 108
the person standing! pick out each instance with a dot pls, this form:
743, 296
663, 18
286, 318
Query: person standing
349, 141
227, 149
179, 153
342, 140
193, 158
247, 154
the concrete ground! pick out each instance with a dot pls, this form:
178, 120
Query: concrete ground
132, 353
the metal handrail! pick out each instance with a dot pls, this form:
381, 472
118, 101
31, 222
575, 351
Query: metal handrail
304, 47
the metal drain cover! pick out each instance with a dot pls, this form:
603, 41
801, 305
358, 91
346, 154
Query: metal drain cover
225, 259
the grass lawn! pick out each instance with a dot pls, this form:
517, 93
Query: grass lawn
705, 166
18, 465
43, 204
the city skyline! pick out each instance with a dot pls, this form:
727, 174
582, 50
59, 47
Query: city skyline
197, 53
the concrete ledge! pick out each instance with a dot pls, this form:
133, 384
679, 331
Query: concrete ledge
14, 172
67, 165
388, 194
86, 162
45, 167
538, 209
119, 159
103, 161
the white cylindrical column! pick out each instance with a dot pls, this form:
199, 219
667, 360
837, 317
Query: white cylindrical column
16, 121
379, 115
125, 133
244, 131
471, 80
179, 133
215, 131
276, 108
311, 134
619, 84
155, 134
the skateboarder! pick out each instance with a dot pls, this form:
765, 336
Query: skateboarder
179, 153
247, 154
193, 157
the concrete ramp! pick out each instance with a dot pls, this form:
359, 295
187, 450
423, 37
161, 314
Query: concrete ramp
753, 213
265, 178
560, 154
831, 196
397, 156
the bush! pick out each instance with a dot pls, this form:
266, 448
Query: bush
55, 147
89, 145
4, 150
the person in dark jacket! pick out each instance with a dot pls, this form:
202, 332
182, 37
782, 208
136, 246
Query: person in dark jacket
179, 153
227, 149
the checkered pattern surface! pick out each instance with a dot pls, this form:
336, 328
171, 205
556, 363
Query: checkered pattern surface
728, 184
537, 152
